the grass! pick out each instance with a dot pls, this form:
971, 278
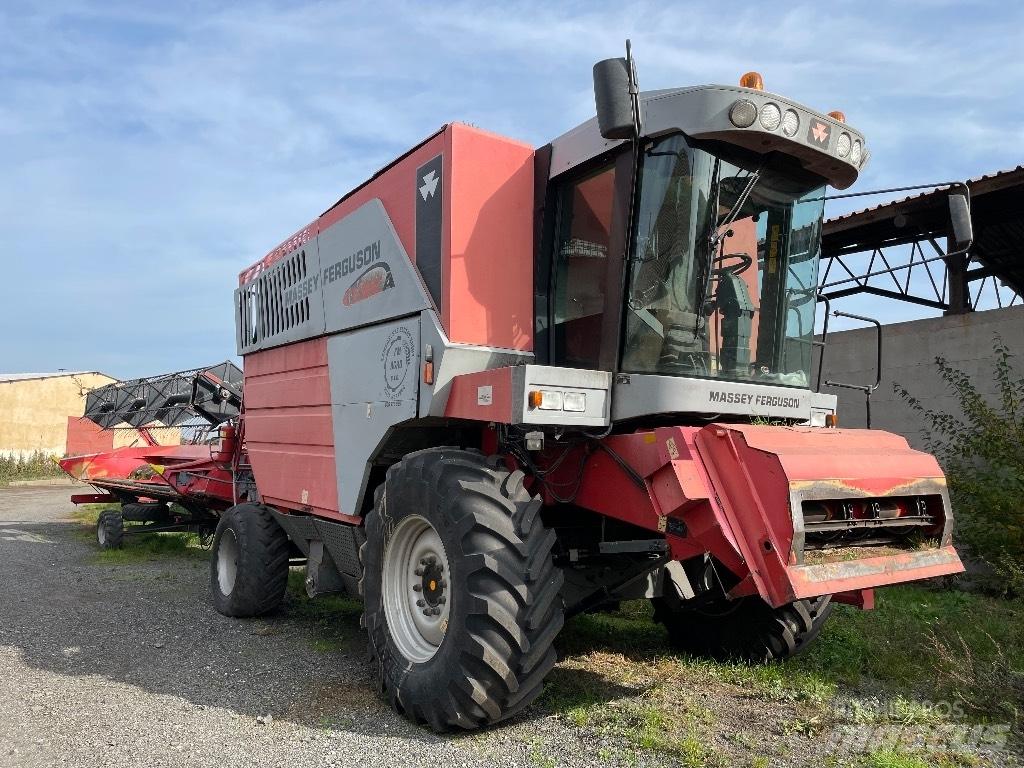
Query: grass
893, 758
138, 547
922, 658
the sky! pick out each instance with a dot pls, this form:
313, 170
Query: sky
150, 151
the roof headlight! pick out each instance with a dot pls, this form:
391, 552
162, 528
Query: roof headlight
857, 152
843, 145
743, 113
790, 122
770, 117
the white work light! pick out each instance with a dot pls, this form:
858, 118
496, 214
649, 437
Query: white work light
743, 113
771, 116
790, 122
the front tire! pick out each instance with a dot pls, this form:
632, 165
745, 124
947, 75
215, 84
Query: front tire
461, 595
746, 629
249, 565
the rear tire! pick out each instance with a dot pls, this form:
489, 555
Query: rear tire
249, 564
110, 529
461, 527
745, 629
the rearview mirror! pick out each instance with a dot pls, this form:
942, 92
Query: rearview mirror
960, 217
612, 98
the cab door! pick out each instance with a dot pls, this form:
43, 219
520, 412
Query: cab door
586, 251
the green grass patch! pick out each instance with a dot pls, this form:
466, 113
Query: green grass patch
923, 657
933, 644
893, 758
153, 546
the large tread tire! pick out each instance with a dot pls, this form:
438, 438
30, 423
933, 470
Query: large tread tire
746, 629
505, 608
248, 535
110, 529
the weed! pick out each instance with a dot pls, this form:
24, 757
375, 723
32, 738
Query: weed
37, 466
982, 452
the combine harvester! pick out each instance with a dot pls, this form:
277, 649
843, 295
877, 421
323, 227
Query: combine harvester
495, 386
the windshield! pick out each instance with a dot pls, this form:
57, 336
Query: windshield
732, 302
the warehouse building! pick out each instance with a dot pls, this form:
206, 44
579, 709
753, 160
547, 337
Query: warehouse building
35, 409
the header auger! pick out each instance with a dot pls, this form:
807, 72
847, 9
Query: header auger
495, 385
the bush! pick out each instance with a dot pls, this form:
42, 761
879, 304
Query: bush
982, 452
37, 466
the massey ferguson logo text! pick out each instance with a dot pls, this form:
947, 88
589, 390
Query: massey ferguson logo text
364, 257
749, 398
301, 290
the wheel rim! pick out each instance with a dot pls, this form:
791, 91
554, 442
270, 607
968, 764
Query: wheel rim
227, 561
417, 598
101, 534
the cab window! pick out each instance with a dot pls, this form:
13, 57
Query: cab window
581, 267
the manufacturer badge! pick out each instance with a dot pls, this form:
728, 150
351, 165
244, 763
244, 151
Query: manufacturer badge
819, 134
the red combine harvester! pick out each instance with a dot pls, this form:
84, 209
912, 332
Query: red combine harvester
495, 386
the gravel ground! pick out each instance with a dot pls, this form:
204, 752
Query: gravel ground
128, 664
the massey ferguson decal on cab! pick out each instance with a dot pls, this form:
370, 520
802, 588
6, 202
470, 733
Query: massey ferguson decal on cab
555, 377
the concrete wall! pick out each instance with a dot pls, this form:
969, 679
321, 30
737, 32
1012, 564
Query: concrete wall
908, 357
34, 412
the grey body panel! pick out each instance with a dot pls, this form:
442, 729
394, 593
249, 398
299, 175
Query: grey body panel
452, 359
354, 273
358, 254
702, 112
637, 395
374, 386
282, 304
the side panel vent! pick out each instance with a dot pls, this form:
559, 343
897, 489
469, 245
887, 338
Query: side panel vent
282, 304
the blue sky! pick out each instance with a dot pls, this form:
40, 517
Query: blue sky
150, 151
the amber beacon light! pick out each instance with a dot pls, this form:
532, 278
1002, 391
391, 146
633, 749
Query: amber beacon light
752, 80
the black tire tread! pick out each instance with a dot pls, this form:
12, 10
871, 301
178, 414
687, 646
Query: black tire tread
503, 656
262, 578
748, 629
113, 524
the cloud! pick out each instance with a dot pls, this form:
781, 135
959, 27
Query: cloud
150, 152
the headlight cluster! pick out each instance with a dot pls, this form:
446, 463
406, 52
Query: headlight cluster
554, 400
744, 113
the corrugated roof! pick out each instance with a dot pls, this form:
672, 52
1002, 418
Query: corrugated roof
987, 182
8, 377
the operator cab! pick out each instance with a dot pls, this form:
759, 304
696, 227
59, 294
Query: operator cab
706, 302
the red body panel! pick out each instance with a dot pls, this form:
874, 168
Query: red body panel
288, 428
731, 489
464, 398
85, 437
488, 273
487, 231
